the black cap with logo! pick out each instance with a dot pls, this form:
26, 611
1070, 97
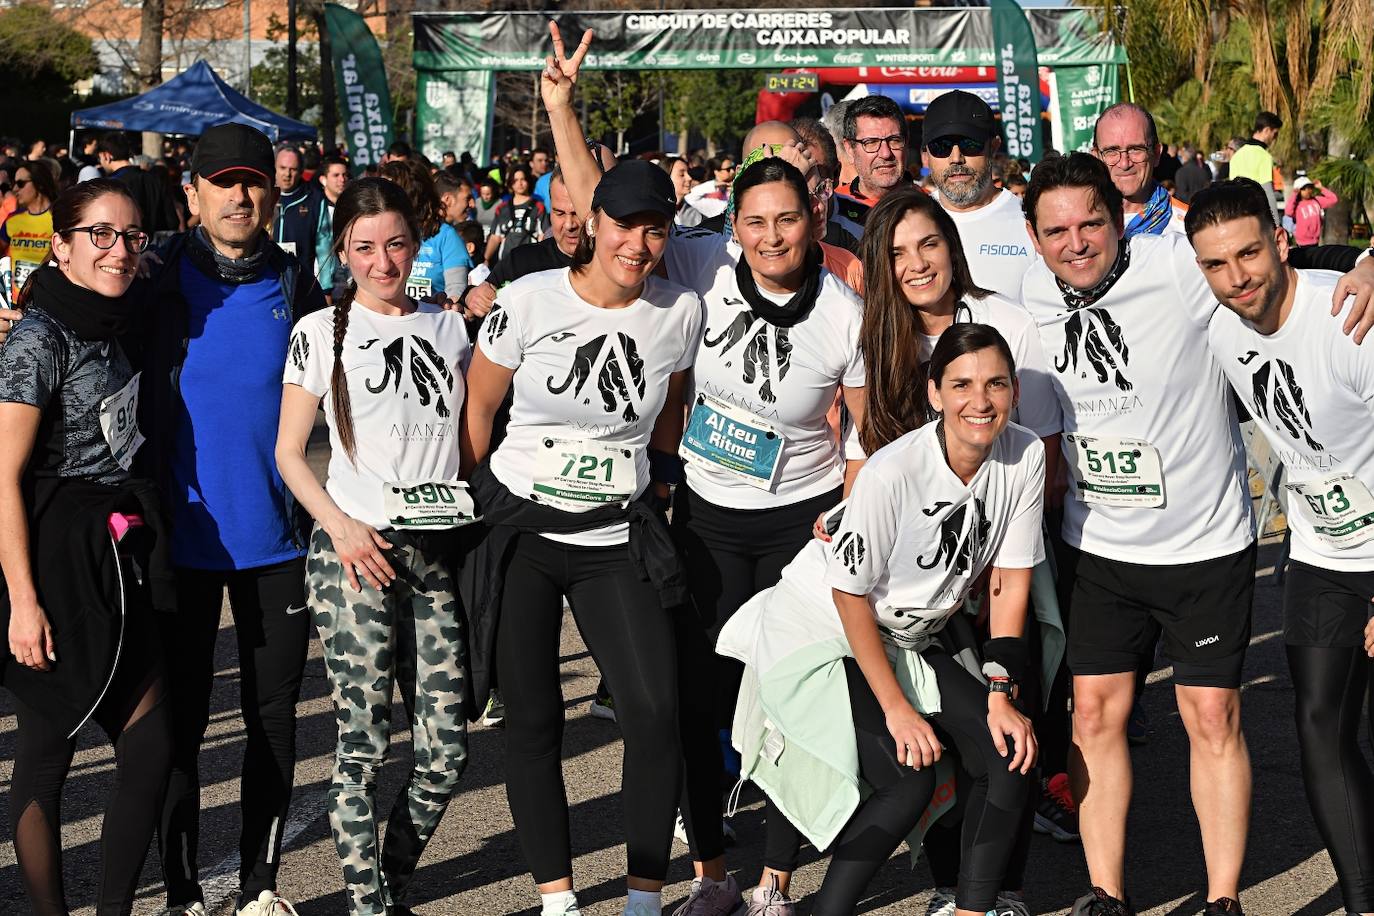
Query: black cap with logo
637, 186
230, 147
958, 114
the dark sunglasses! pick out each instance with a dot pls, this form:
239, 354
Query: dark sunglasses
941, 147
103, 237
22, 182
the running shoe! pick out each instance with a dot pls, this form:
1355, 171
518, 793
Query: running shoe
267, 904
1055, 813
941, 902
1101, 903
769, 901
494, 716
1223, 906
1138, 725
712, 898
727, 831
184, 909
603, 705
1010, 903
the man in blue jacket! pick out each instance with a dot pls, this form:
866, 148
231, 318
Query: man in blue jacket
297, 222
214, 345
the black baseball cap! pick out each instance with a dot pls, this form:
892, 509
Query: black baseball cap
229, 147
637, 186
958, 114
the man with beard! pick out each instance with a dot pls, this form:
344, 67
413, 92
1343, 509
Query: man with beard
959, 142
1157, 524
875, 141
1126, 141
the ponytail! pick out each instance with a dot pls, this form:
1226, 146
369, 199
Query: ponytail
338, 381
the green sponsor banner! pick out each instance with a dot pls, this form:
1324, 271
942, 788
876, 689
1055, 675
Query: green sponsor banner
1018, 80
762, 39
1081, 94
453, 111
360, 85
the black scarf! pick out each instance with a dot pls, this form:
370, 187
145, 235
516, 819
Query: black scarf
795, 309
216, 266
85, 312
1081, 298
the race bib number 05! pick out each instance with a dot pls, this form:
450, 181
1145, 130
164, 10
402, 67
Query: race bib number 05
119, 423
1116, 472
721, 437
418, 287
1339, 508
582, 474
428, 504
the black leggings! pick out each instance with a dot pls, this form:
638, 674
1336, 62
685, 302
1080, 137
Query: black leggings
1331, 686
137, 722
993, 798
632, 641
272, 629
731, 555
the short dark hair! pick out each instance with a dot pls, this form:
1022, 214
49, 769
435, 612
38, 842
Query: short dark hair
1016, 178
450, 154
116, 144
870, 106
329, 161
1151, 131
471, 233
1076, 170
1267, 119
399, 148
1226, 201
767, 171
811, 130
540, 149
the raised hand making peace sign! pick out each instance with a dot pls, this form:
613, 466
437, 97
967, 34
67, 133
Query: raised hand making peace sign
560, 71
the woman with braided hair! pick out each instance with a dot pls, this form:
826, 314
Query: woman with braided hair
390, 373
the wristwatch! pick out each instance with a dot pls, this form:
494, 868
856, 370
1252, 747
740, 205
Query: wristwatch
1003, 685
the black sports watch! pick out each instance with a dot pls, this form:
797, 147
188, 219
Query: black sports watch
1003, 685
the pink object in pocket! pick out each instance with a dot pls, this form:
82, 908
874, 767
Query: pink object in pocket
121, 524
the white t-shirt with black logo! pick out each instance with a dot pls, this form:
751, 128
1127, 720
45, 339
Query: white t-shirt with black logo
914, 537
1038, 408
785, 377
996, 244
586, 373
1135, 365
1310, 388
405, 389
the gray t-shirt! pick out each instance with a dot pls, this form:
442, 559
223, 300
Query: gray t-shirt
43, 364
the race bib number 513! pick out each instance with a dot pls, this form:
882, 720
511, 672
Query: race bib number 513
1116, 472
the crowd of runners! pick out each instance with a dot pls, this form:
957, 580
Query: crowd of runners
878, 497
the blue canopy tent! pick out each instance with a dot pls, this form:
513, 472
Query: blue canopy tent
189, 103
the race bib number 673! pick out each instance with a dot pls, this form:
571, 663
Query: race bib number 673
1339, 508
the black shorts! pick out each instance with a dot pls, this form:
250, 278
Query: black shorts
1119, 609
1326, 608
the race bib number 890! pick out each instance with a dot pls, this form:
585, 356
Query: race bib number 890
428, 504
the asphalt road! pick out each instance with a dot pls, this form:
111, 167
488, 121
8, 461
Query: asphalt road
474, 866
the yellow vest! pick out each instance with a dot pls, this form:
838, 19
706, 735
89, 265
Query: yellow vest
29, 236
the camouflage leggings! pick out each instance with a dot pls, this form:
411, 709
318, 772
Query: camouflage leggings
410, 633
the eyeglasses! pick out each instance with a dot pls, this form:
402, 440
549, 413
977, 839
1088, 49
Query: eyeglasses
1112, 154
942, 147
726, 168
103, 237
22, 182
896, 143
822, 191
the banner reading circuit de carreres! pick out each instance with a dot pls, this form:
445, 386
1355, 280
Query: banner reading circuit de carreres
710, 39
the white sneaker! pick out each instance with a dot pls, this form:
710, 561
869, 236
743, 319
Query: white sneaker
941, 902
727, 831
184, 909
267, 904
